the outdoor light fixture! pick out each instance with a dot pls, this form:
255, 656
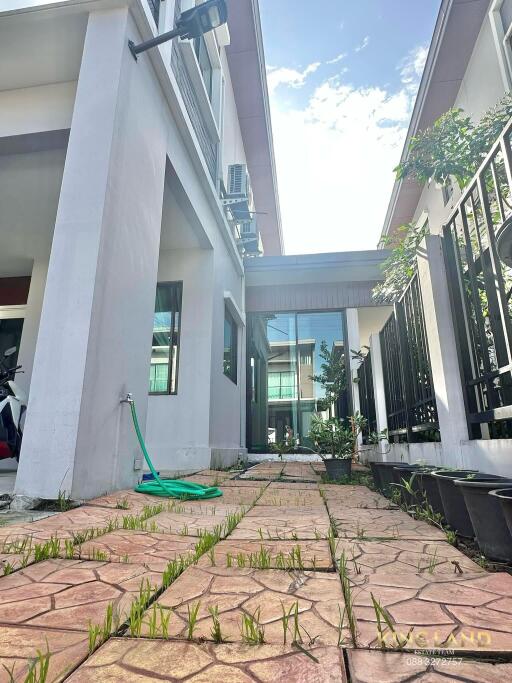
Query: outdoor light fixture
190, 24
504, 242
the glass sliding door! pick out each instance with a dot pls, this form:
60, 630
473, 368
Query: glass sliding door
285, 357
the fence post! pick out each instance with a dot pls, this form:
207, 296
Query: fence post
379, 392
442, 343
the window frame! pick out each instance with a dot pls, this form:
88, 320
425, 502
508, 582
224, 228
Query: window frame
179, 285
229, 317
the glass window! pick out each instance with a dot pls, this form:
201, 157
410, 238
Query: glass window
230, 347
293, 349
163, 377
205, 64
10, 335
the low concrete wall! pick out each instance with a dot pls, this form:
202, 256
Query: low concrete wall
490, 456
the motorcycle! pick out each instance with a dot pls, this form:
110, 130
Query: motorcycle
13, 404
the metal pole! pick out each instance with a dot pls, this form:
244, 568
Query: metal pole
148, 44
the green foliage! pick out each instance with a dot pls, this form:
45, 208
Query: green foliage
454, 145
336, 437
400, 266
332, 377
281, 448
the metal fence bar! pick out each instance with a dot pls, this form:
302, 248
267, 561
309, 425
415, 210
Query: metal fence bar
480, 285
410, 396
366, 396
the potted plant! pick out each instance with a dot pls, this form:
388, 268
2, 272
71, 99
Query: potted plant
336, 442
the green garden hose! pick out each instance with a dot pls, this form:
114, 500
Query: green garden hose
168, 488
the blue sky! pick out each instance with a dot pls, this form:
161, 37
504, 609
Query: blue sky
342, 78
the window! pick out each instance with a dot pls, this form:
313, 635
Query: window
230, 347
205, 64
163, 377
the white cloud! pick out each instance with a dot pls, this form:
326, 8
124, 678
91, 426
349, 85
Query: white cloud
364, 44
292, 78
337, 59
411, 69
335, 159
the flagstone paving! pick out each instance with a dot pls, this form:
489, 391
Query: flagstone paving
152, 550
381, 524
262, 594
69, 594
394, 667
149, 660
426, 593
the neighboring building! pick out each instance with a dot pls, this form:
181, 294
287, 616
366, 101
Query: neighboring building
444, 356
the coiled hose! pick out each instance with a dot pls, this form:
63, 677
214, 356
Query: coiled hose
168, 488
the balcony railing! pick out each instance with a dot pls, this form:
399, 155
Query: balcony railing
208, 145
480, 285
366, 396
410, 397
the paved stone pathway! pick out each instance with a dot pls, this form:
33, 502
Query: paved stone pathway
284, 578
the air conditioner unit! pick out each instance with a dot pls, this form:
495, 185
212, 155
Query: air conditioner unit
249, 238
239, 182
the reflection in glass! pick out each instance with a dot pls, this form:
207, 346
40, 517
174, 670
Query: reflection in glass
284, 356
163, 375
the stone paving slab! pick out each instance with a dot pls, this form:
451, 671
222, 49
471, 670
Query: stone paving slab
19, 646
283, 497
355, 497
204, 480
187, 525
395, 667
404, 557
11, 561
220, 474
307, 554
471, 613
244, 483
239, 496
152, 550
292, 486
68, 594
292, 511
263, 594
127, 501
382, 524
283, 526
127, 661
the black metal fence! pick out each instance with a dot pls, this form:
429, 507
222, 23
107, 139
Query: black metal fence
410, 397
478, 249
367, 397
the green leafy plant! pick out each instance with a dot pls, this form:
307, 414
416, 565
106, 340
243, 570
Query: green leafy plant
281, 448
383, 617
336, 438
216, 631
348, 611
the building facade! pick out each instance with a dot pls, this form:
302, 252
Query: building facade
113, 174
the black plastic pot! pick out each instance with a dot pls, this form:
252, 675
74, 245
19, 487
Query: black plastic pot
454, 505
504, 496
491, 530
375, 474
426, 487
385, 470
337, 469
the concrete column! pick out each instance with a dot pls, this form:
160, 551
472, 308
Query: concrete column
443, 349
378, 389
31, 324
95, 332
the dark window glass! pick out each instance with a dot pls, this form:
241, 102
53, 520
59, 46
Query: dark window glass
163, 377
230, 347
205, 64
10, 335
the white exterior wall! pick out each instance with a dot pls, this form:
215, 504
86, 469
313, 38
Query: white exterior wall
232, 143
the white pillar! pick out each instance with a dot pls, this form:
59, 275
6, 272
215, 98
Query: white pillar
443, 349
379, 392
354, 342
31, 323
95, 332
